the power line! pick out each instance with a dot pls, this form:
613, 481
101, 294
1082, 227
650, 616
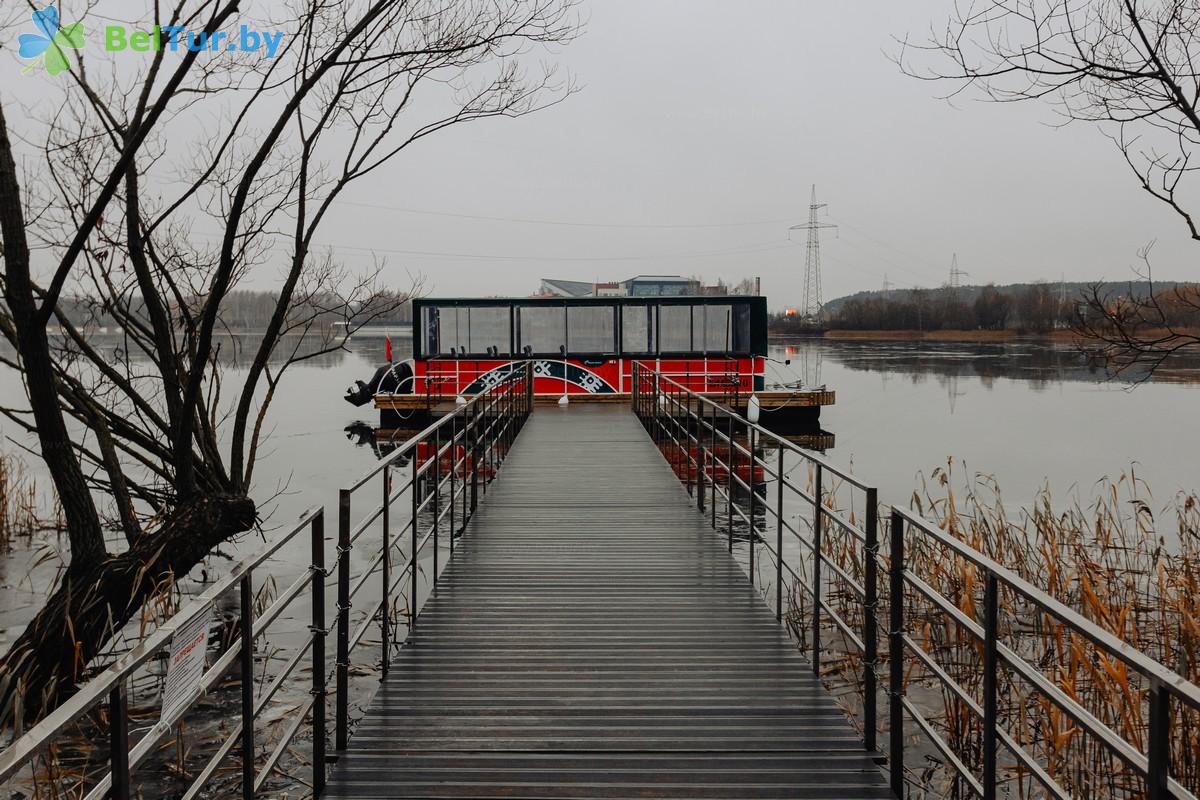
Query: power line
564, 223
763, 247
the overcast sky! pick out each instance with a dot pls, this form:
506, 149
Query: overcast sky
705, 112
716, 118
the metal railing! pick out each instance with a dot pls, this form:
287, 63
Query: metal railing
103, 701
827, 560
461, 451
444, 469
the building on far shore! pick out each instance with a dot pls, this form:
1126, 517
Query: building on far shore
637, 286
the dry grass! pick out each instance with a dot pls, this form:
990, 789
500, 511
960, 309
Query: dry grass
20, 515
1128, 563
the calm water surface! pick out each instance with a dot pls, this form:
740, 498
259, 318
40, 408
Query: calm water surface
1027, 413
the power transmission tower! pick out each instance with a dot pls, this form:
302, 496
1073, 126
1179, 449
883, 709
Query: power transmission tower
887, 287
811, 311
956, 274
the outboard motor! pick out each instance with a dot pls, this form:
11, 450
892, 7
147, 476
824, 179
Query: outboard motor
388, 379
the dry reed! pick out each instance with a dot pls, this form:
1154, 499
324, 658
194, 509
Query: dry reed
1131, 571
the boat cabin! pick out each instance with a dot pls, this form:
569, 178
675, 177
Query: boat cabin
587, 346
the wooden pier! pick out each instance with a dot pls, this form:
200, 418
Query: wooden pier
592, 638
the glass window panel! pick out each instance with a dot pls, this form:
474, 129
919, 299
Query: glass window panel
718, 329
591, 329
637, 332
675, 329
429, 330
488, 326
741, 330
543, 328
452, 330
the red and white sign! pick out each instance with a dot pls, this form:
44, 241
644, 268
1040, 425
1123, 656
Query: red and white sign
189, 646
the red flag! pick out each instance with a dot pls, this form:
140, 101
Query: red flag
387, 347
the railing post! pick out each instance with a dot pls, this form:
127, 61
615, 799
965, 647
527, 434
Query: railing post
701, 465
896, 655
318, 651
753, 533
384, 621
437, 496
453, 468
1158, 772
247, 667
342, 711
489, 418
779, 538
991, 612
687, 438
118, 740
871, 620
729, 469
712, 479
473, 427
412, 556
528, 387
818, 520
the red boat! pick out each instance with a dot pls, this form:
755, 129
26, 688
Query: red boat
583, 349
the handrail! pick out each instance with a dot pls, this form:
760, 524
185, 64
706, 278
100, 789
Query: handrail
699, 437
463, 449
480, 433
112, 683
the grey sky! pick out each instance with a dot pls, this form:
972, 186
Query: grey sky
715, 112
699, 112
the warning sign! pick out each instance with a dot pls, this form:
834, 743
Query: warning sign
188, 648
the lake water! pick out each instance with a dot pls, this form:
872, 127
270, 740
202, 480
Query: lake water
1025, 412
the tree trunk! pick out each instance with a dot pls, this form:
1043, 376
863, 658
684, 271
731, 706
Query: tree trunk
95, 600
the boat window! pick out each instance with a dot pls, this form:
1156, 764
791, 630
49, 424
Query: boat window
675, 328
451, 331
637, 330
591, 329
443, 328
741, 328
430, 319
543, 328
486, 327
714, 327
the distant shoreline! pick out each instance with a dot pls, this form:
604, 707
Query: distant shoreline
1063, 336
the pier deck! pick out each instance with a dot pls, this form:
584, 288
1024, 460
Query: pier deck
592, 638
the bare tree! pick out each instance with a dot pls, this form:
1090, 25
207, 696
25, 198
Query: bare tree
1130, 66
133, 174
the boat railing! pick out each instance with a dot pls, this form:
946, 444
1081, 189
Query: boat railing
957, 686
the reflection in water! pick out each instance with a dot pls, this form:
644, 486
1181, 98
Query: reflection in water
1024, 411
1041, 364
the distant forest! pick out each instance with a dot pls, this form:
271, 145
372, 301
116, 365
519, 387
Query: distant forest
242, 310
1030, 307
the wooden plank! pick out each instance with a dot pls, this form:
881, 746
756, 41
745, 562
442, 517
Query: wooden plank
592, 638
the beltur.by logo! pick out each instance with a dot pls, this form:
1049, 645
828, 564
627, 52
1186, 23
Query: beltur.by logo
177, 37
48, 47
